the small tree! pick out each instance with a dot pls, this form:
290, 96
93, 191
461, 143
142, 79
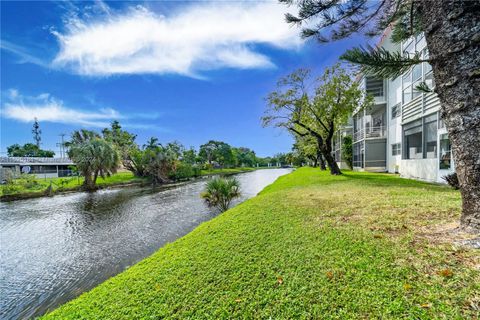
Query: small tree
220, 192
347, 151
317, 112
189, 156
123, 140
308, 147
160, 163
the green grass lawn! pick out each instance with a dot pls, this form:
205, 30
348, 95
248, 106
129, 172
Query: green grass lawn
311, 245
67, 183
226, 171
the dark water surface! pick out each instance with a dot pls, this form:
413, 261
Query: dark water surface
53, 249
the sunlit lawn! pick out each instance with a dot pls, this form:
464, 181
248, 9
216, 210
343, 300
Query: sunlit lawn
226, 171
40, 184
357, 246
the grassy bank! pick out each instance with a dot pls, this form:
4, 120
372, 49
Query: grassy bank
309, 246
37, 186
227, 171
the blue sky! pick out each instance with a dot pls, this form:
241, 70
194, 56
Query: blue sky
186, 71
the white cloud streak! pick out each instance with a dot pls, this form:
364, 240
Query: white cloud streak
22, 54
196, 38
46, 108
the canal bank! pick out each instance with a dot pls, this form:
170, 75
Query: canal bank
309, 246
37, 188
53, 249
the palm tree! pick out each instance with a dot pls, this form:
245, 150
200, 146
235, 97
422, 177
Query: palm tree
93, 157
220, 192
152, 143
160, 162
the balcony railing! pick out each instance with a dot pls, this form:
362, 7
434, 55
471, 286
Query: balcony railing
370, 132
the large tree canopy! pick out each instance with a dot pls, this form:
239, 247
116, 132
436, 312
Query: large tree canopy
315, 107
217, 151
28, 150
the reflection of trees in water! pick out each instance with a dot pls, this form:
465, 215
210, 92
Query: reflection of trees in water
99, 206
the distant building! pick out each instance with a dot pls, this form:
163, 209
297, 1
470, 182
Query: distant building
402, 132
40, 167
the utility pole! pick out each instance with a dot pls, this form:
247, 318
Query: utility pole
36, 132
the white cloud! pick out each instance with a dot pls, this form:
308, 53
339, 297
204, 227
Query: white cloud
195, 38
22, 54
46, 108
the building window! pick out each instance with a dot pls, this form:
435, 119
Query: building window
396, 149
429, 81
396, 110
421, 42
374, 86
407, 87
358, 154
412, 139
441, 123
409, 48
430, 130
417, 72
445, 152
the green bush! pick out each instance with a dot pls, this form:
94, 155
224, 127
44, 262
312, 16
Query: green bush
184, 171
347, 151
11, 188
197, 171
220, 192
207, 166
29, 181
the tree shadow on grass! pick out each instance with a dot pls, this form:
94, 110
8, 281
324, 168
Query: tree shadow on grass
391, 180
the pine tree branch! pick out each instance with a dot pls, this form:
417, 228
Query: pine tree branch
381, 62
423, 87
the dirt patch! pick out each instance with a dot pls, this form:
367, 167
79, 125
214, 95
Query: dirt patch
465, 246
450, 233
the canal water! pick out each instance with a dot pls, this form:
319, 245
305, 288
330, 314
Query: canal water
53, 249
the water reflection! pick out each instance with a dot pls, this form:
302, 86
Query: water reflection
53, 249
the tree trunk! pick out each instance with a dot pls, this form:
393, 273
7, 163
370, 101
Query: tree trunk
323, 166
88, 183
452, 32
326, 150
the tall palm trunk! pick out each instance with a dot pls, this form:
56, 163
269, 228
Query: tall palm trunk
452, 32
88, 183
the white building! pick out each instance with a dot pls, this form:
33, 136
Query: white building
40, 167
402, 132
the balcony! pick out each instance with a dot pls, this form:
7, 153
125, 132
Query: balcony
375, 87
370, 133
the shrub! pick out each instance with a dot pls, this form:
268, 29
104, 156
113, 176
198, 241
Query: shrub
182, 171
196, 170
11, 188
452, 180
347, 151
220, 192
207, 166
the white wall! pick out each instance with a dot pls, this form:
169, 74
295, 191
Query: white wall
394, 96
421, 169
